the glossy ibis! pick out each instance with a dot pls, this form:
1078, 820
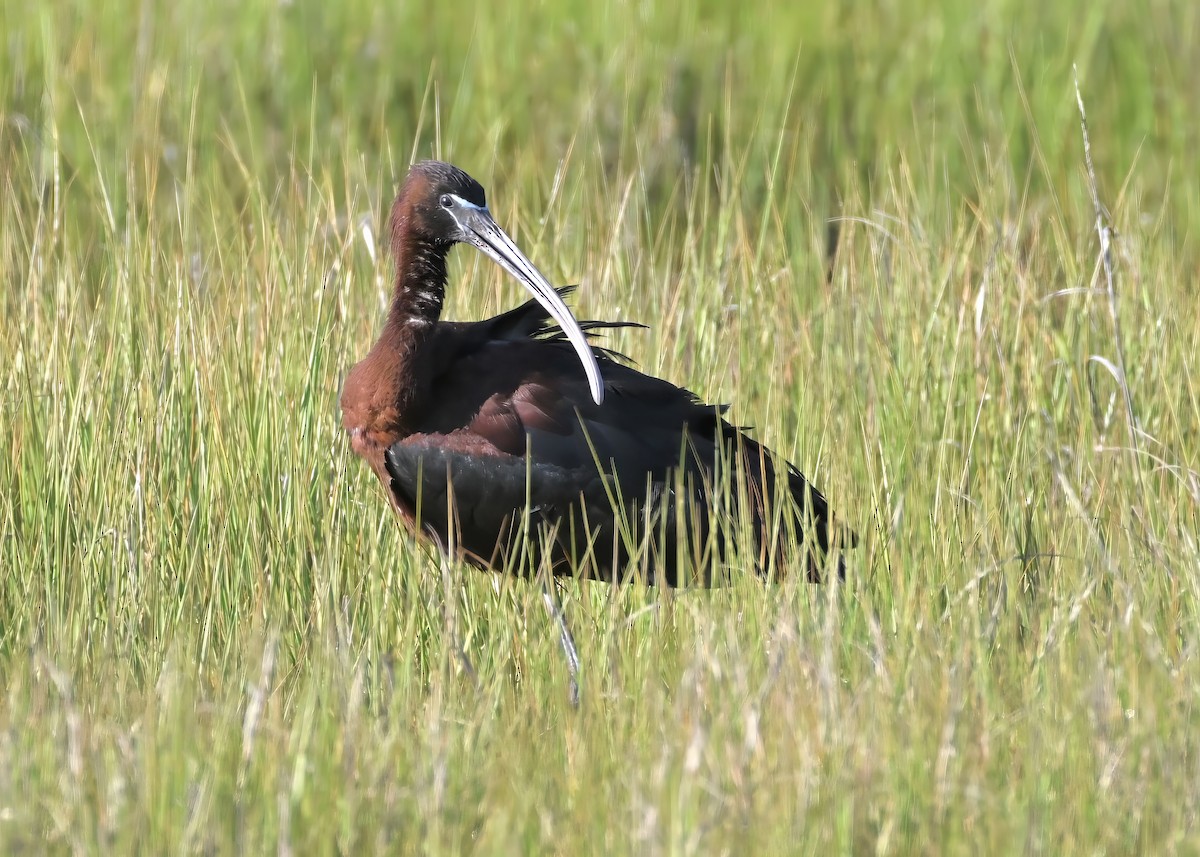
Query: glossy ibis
492, 437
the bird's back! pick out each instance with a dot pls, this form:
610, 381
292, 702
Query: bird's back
512, 452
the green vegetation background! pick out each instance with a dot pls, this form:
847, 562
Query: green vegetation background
214, 637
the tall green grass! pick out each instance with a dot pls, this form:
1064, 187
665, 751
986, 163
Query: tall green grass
215, 638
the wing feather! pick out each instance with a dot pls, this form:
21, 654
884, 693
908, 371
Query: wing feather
512, 386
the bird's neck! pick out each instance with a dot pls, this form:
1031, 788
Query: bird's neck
420, 289
384, 393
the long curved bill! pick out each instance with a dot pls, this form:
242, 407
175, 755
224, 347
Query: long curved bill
482, 232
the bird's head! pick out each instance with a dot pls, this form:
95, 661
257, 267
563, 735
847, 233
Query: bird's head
440, 205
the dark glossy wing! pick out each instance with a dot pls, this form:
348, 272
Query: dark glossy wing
510, 390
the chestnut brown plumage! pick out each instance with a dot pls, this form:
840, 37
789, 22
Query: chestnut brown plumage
541, 441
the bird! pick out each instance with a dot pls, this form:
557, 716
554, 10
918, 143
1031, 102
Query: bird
516, 443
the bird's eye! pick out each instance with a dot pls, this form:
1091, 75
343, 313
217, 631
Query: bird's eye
446, 201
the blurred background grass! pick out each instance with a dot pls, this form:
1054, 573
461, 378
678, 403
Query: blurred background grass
215, 638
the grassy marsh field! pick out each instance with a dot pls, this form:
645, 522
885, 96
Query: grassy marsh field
215, 638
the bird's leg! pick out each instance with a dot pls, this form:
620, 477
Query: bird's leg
565, 638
